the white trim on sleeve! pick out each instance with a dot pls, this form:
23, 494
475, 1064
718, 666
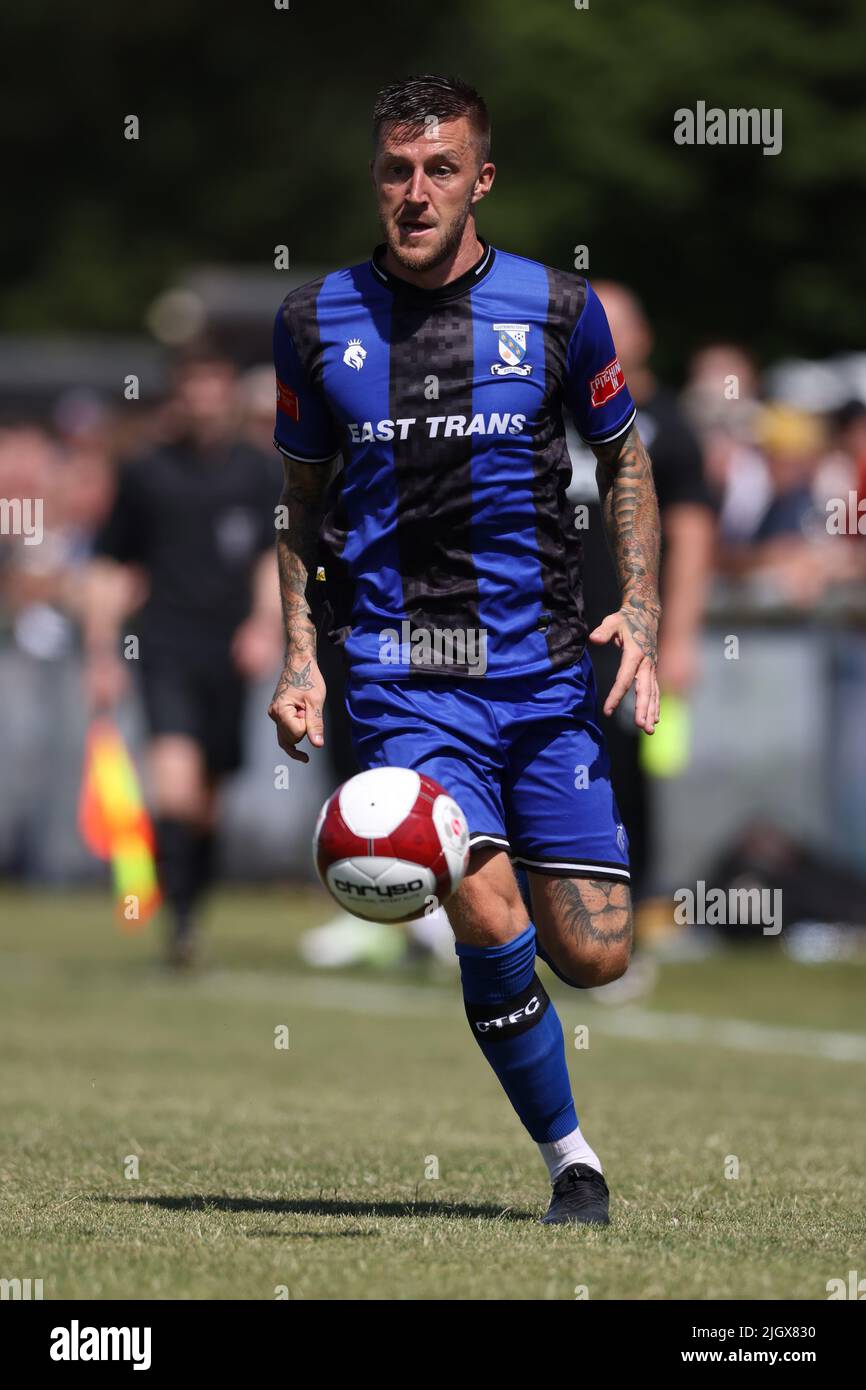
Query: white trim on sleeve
299, 458
609, 438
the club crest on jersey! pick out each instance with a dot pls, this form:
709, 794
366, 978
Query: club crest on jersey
355, 355
512, 350
605, 384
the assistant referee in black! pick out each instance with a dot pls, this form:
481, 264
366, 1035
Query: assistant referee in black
188, 550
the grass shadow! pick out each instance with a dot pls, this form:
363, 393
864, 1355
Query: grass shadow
325, 1206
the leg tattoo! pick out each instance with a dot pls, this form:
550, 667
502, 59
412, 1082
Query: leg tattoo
591, 912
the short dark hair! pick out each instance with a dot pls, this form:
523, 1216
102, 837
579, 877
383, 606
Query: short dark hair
409, 104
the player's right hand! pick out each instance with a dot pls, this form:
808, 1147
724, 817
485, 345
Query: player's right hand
297, 707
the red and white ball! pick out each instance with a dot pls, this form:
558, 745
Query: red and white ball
389, 842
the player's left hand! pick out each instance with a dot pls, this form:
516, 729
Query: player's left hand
634, 630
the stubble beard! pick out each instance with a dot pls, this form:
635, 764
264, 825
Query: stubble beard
422, 257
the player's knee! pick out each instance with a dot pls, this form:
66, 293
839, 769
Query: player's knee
487, 909
609, 961
482, 917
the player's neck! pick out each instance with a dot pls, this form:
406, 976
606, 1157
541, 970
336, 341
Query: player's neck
467, 254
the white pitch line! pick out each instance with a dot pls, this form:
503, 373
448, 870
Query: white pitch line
627, 1021
735, 1033
320, 992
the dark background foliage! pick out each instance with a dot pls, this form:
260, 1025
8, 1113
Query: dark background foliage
255, 131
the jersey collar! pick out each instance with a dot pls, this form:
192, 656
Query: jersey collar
455, 289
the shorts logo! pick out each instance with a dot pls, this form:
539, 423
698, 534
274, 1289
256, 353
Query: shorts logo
512, 350
620, 838
287, 401
355, 355
606, 383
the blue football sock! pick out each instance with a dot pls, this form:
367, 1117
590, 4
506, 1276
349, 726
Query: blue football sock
519, 1032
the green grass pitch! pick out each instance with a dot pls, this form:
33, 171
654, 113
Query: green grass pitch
311, 1171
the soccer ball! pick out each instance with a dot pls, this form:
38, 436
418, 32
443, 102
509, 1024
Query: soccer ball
389, 843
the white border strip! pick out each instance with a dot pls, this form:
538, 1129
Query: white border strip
570, 864
609, 438
299, 458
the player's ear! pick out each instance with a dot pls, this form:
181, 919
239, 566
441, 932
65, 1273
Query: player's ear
483, 181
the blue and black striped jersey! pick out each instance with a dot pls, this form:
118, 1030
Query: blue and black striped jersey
449, 515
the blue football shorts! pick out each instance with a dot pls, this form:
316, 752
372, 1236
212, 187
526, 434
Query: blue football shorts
524, 757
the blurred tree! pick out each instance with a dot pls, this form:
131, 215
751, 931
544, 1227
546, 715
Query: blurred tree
254, 131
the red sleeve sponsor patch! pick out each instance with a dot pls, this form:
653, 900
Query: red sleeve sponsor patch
605, 384
287, 401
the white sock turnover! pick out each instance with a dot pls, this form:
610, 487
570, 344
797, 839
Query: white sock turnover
559, 1154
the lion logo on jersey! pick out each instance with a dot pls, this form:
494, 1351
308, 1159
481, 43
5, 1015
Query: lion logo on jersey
355, 355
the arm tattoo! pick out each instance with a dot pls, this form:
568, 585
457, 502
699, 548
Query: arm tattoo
302, 494
294, 680
592, 910
631, 521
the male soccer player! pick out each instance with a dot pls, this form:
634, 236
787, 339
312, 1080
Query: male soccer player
438, 370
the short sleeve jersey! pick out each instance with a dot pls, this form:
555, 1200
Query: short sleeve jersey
448, 525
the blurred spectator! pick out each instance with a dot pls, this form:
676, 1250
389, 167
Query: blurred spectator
256, 400
849, 436
722, 389
688, 529
70, 480
792, 443
67, 481
790, 556
721, 401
